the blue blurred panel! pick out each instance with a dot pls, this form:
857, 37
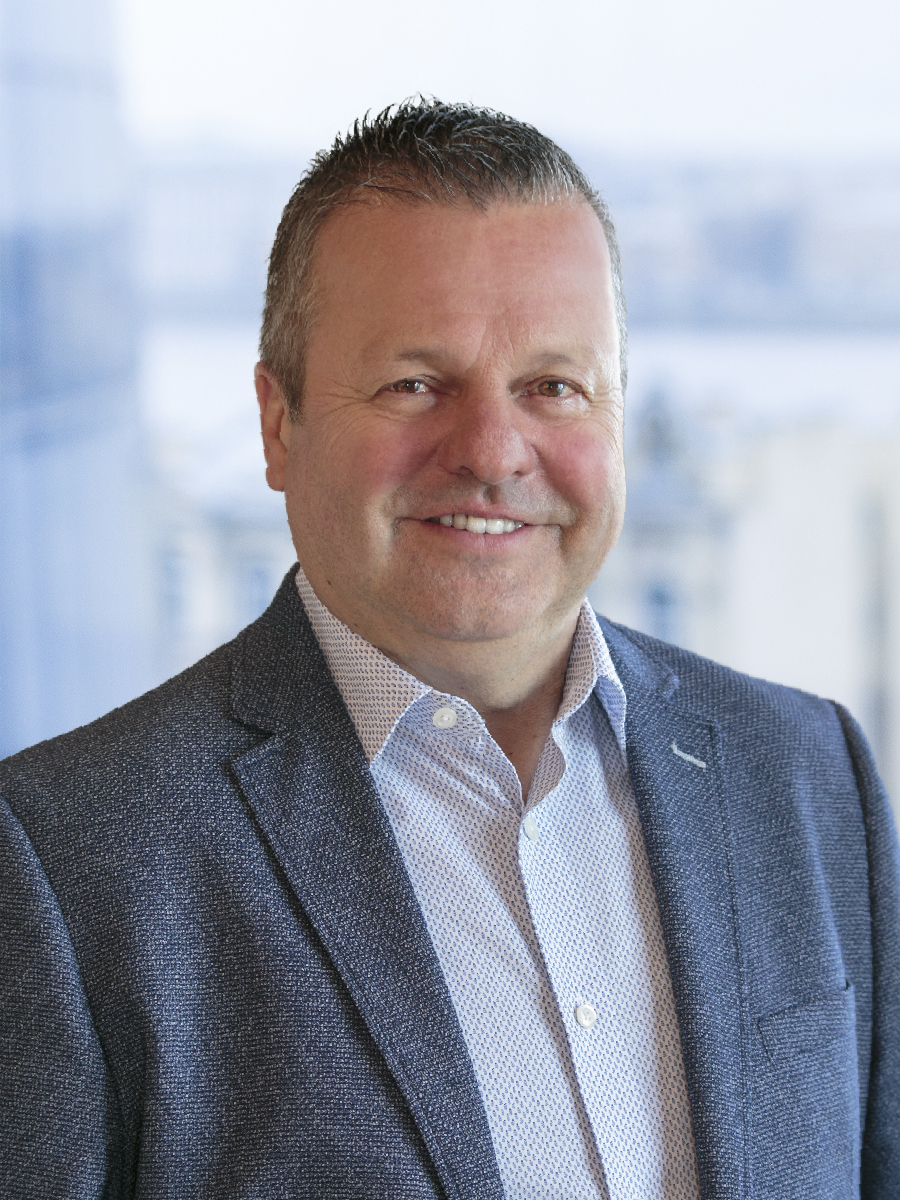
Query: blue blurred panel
76, 607
76, 595
68, 314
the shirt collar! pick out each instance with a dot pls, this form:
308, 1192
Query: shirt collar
378, 692
591, 669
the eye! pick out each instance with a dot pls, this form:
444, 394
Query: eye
408, 387
557, 388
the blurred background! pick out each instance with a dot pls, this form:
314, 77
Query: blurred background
750, 153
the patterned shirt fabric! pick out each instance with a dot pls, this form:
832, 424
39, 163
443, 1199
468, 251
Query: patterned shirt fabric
544, 919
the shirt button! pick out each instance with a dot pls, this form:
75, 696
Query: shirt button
530, 827
585, 1016
445, 718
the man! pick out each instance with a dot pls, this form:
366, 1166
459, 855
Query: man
431, 884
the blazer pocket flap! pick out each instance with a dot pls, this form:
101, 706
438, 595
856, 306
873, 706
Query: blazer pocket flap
808, 1026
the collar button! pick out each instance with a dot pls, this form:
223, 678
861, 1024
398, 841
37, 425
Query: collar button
444, 718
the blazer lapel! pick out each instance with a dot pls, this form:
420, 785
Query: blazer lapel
675, 762
312, 792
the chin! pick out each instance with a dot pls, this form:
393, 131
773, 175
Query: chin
476, 615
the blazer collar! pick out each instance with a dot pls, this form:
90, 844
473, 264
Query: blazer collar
310, 788
676, 764
279, 676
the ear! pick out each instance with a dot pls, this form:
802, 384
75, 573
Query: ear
275, 423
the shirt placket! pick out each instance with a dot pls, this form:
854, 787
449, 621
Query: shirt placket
573, 950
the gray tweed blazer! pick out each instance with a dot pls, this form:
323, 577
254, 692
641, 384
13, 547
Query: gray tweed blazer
217, 983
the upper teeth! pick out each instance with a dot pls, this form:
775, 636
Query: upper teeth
481, 524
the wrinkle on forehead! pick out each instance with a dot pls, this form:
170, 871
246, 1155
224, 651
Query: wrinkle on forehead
455, 290
366, 241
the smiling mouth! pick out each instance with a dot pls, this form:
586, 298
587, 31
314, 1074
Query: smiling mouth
492, 525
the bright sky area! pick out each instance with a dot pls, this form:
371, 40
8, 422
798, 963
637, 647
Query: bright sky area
700, 77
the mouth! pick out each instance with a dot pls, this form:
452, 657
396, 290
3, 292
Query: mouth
486, 525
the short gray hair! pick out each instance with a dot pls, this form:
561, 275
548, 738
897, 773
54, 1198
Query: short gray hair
414, 152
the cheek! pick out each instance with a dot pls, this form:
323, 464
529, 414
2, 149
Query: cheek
586, 467
353, 466
389, 456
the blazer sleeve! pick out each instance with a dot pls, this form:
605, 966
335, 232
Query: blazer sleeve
59, 1116
881, 1136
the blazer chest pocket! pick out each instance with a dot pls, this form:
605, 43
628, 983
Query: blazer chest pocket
808, 1027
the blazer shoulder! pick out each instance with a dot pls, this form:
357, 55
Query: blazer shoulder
269, 678
190, 709
720, 693
194, 708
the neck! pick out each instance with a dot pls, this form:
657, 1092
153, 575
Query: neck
515, 683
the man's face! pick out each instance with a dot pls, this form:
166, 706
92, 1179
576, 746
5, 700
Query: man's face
461, 364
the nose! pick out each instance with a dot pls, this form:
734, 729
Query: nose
487, 439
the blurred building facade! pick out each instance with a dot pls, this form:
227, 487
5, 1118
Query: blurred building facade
756, 245
77, 608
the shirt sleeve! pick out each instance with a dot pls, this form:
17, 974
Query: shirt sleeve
60, 1127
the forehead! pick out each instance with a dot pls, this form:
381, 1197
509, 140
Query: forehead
421, 262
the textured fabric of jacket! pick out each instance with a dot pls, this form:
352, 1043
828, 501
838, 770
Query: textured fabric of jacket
216, 981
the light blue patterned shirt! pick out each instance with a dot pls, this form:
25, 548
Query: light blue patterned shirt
544, 919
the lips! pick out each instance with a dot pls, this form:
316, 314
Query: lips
487, 525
